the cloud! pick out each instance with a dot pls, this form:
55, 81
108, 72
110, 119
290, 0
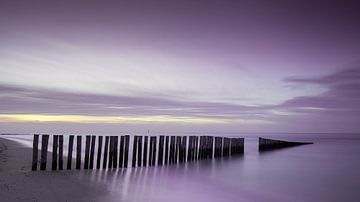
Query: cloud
337, 108
343, 92
20, 100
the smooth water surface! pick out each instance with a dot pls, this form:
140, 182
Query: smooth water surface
325, 171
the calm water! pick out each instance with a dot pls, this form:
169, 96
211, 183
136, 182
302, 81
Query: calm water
328, 170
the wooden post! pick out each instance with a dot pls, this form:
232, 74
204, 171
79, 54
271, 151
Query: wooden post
139, 151
211, 147
177, 151
61, 152
226, 147
166, 150
218, 146
232, 146
115, 151
44, 148
111, 152
240, 145
135, 142
201, 147
180, 150
189, 149
55, 152
121, 152
78, 152
151, 151
196, 149
146, 142
183, 149
153, 155
126, 153
161, 150
87, 152
206, 147
70, 151
106, 151
92, 151
98, 159
35, 152
172, 150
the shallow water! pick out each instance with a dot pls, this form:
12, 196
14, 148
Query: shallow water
325, 171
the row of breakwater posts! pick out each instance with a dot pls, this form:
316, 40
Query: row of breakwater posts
113, 152
270, 144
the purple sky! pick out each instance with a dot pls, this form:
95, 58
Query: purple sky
173, 66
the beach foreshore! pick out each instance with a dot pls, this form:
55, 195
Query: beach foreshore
19, 183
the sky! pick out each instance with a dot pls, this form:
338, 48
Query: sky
179, 66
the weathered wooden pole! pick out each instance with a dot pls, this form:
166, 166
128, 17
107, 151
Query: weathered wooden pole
78, 152
55, 152
180, 149
70, 151
241, 145
146, 143
135, 142
196, 148
44, 149
166, 150
218, 146
161, 150
204, 147
35, 152
151, 148
92, 152
232, 146
183, 149
172, 150
126, 153
111, 152
211, 146
61, 152
153, 158
193, 149
87, 152
98, 159
121, 152
226, 147
115, 151
177, 150
207, 147
139, 151
106, 151
189, 152
201, 145
206, 142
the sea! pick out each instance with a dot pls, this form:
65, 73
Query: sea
328, 170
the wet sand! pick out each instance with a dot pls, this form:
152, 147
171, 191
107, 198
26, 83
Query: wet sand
19, 183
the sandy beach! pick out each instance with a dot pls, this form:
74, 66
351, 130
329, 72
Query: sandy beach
19, 183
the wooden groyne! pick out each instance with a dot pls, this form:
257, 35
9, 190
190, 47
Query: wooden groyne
112, 152
270, 144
